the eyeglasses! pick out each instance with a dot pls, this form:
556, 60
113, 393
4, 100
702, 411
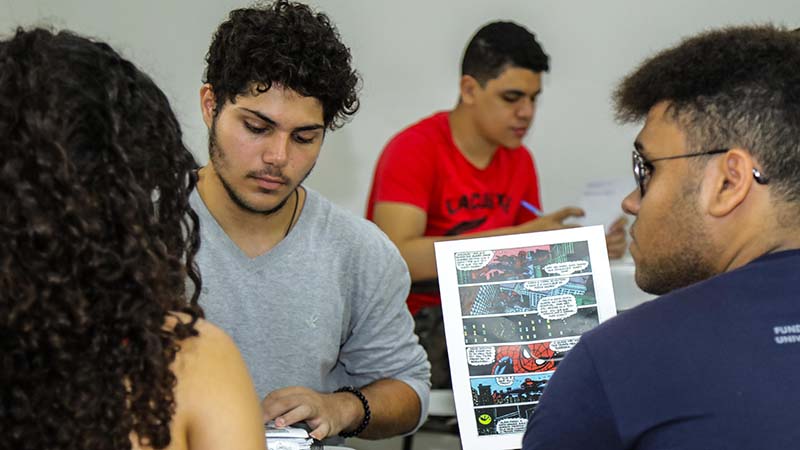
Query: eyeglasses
642, 168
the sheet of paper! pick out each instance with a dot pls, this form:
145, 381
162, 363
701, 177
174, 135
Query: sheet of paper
287, 438
513, 306
601, 200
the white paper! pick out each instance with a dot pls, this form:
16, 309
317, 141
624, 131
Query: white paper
284, 432
288, 444
513, 306
287, 438
601, 200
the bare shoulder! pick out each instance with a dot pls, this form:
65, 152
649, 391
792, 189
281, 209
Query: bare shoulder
215, 397
212, 347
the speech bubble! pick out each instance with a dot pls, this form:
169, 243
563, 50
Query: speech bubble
480, 356
557, 307
545, 284
515, 425
473, 260
504, 381
563, 345
566, 268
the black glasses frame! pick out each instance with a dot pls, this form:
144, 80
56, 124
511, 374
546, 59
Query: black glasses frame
642, 168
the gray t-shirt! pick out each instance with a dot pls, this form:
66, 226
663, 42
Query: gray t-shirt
322, 309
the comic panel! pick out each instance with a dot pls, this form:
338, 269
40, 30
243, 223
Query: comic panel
494, 360
523, 263
508, 389
503, 419
521, 297
570, 321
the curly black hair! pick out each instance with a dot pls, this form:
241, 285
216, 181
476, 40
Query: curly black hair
97, 240
731, 87
287, 44
500, 45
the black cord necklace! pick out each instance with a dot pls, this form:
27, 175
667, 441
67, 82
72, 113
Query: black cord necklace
294, 212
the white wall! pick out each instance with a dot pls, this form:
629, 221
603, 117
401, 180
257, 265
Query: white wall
408, 53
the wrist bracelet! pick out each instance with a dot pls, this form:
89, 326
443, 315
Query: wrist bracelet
367, 414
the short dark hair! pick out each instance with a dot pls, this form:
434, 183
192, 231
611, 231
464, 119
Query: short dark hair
500, 45
735, 86
97, 238
288, 44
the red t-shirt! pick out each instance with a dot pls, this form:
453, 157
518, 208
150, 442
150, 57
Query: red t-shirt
423, 167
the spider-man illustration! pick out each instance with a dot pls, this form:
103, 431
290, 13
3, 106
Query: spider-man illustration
526, 358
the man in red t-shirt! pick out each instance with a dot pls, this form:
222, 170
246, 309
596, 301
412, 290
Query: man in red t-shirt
466, 172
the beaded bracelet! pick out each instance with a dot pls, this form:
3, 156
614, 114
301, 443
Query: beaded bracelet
367, 414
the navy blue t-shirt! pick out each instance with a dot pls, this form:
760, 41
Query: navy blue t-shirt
715, 365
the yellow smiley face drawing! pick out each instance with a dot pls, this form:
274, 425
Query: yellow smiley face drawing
484, 419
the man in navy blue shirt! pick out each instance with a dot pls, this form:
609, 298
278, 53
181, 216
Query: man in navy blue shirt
714, 362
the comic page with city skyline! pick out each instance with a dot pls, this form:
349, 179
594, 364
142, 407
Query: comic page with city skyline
512, 313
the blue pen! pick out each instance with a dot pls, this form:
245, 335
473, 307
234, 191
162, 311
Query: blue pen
531, 208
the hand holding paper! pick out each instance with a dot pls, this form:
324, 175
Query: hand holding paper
601, 200
325, 414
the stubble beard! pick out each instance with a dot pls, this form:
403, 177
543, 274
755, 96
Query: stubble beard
217, 156
688, 261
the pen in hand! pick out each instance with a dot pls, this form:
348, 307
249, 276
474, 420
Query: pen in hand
530, 207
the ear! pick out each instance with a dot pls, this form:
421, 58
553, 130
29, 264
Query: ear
208, 103
731, 179
468, 88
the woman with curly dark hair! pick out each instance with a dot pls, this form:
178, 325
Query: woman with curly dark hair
102, 344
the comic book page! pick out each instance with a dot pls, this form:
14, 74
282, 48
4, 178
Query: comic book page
513, 307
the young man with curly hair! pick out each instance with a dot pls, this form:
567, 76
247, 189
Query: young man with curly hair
711, 364
466, 172
313, 296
